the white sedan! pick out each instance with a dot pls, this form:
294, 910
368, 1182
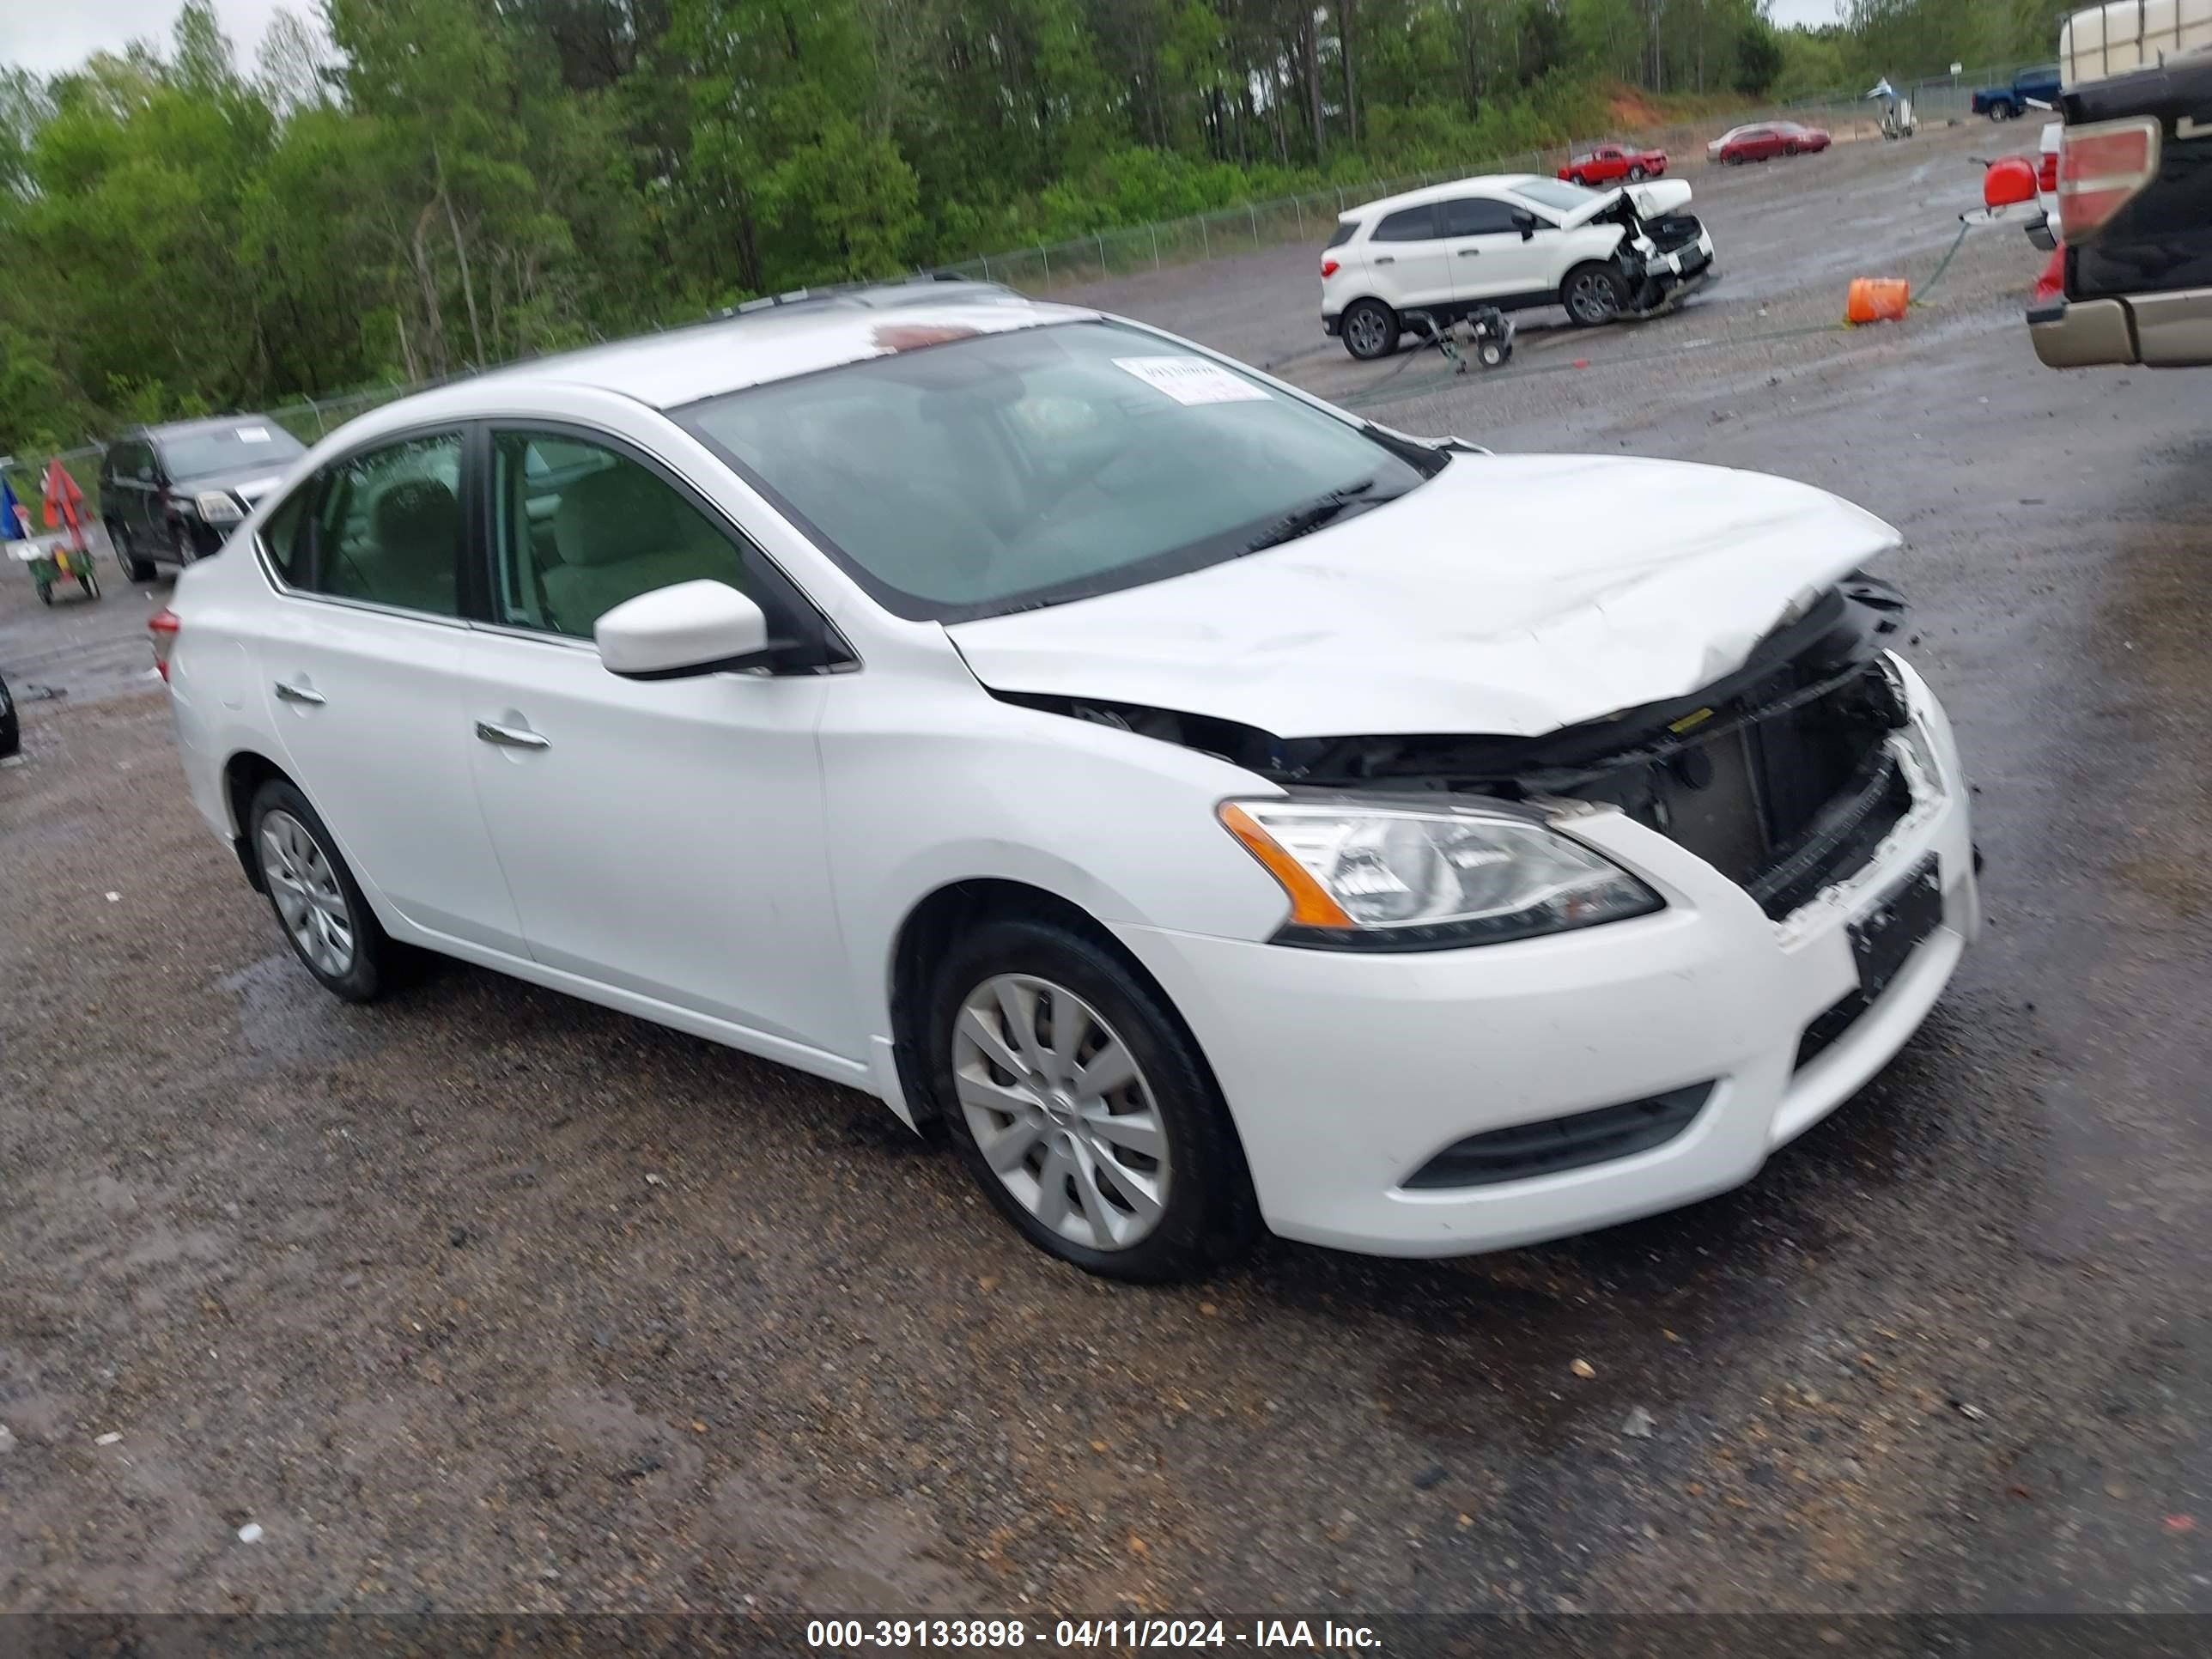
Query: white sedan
1216, 809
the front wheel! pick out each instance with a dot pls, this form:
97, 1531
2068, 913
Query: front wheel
1371, 329
88, 579
332, 929
1084, 1109
1593, 293
126, 554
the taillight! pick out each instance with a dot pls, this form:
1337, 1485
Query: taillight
2100, 169
1329, 267
163, 624
2046, 175
2051, 285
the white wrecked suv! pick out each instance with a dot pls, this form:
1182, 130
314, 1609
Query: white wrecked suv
1215, 810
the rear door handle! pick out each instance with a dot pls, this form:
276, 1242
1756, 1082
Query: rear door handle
511, 737
308, 694
1470, 253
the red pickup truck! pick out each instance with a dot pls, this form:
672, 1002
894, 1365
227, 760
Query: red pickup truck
1606, 164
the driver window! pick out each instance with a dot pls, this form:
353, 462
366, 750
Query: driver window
387, 526
580, 527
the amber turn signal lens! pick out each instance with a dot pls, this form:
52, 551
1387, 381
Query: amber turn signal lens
1310, 904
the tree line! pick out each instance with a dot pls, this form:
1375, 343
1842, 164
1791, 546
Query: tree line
413, 187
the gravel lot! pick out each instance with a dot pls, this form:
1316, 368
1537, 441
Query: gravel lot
487, 1299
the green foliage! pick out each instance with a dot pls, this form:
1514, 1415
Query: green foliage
1758, 57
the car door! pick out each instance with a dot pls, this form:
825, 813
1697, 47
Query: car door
134, 489
1606, 164
1412, 268
360, 661
1491, 258
664, 838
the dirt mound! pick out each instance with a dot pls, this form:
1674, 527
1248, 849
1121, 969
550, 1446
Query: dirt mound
1629, 109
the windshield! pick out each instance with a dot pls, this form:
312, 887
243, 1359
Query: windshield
253, 442
1557, 193
1001, 471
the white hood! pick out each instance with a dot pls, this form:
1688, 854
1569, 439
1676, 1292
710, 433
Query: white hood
1510, 596
1657, 197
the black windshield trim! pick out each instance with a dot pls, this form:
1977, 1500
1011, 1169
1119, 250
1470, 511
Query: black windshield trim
1209, 551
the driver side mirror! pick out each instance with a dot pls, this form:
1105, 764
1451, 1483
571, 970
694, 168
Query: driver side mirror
673, 633
1525, 222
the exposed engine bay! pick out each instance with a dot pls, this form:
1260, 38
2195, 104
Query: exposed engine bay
1778, 774
1660, 258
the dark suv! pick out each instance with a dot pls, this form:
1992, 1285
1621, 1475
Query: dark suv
172, 493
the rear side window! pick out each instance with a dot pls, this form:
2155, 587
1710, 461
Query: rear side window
1407, 225
386, 526
1346, 230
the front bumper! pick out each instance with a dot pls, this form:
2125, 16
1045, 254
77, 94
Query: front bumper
2156, 331
1346, 1075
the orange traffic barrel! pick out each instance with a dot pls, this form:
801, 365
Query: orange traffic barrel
1878, 300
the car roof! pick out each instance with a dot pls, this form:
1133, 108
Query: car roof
1485, 184
776, 339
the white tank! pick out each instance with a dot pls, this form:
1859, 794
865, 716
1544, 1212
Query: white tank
2130, 34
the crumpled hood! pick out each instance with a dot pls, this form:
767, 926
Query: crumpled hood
1510, 596
1653, 200
248, 483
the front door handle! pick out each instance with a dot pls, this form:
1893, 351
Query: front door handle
308, 694
1388, 260
511, 737
1470, 253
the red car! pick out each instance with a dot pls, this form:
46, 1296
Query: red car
1606, 164
1765, 141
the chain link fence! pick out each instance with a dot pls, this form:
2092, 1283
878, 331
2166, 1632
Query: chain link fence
1252, 226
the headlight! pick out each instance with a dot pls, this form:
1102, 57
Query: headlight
217, 506
1366, 877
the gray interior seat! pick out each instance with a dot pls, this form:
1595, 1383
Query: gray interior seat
622, 532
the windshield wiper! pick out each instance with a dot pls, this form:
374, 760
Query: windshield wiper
1316, 514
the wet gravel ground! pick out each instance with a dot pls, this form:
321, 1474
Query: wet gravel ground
488, 1299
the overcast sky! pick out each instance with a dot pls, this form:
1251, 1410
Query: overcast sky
47, 35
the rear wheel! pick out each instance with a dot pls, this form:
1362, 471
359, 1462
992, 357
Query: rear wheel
1371, 329
1635, 175
1083, 1107
88, 579
319, 904
1593, 293
2001, 111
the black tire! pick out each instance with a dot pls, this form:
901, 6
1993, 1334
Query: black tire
1211, 1215
126, 554
375, 959
1371, 329
1635, 175
11, 724
2001, 111
88, 579
46, 594
1597, 282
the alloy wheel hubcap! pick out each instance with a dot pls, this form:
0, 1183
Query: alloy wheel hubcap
1593, 302
304, 885
1060, 1111
1367, 331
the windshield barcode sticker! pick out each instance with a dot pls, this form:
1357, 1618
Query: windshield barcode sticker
1192, 380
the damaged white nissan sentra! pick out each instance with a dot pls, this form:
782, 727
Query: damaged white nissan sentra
1213, 808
